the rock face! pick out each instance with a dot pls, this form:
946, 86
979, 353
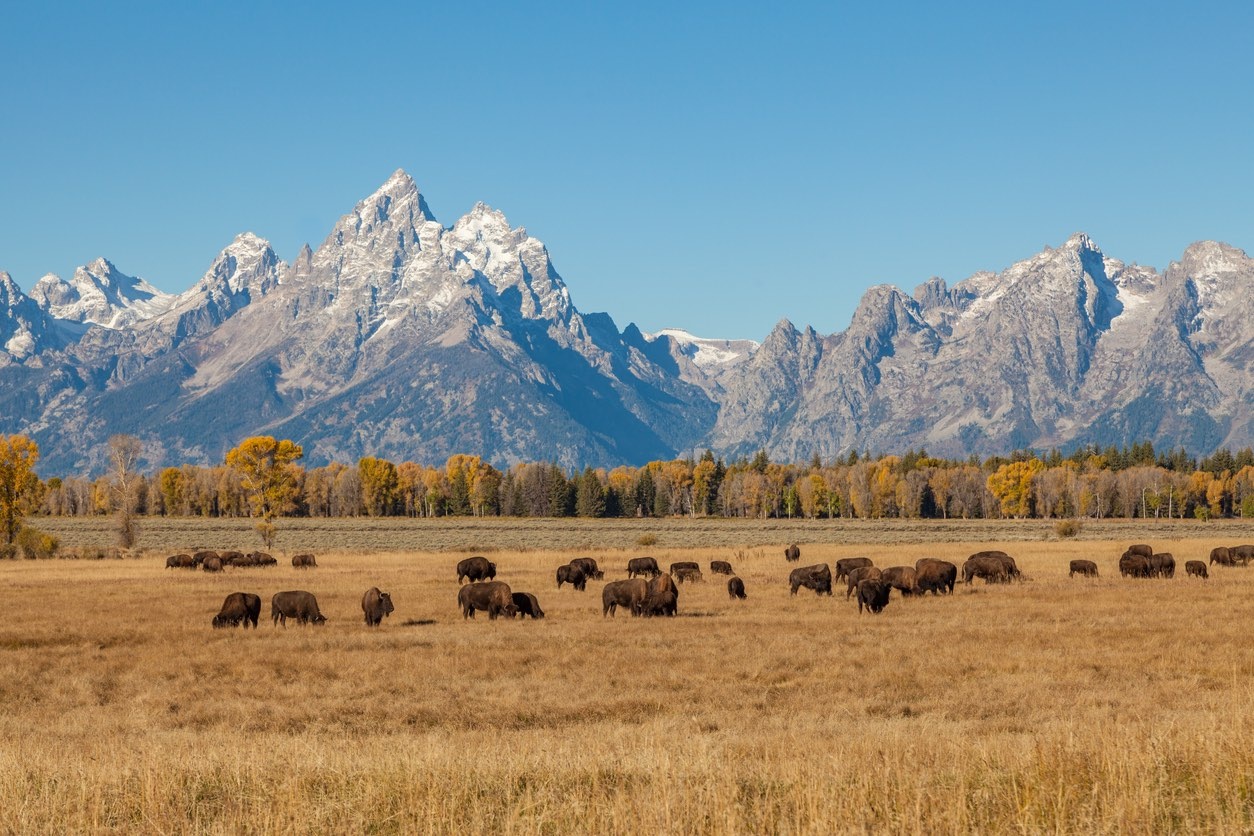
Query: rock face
404, 338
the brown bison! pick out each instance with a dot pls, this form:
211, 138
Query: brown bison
792, 553
720, 567
589, 567
903, 578
475, 569
687, 572
736, 588
1134, 565
376, 605
239, 607
262, 559
212, 564
873, 594
1241, 554
1141, 549
991, 569
935, 576
231, 558
847, 564
304, 561
1083, 568
180, 561
201, 556
817, 577
1012, 569
297, 604
1195, 568
1162, 565
1222, 555
859, 574
661, 597
642, 566
573, 575
629, 594
494, 597
527, 605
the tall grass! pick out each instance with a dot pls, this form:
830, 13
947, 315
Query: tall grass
1057, 705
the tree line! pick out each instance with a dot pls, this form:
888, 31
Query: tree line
261, 479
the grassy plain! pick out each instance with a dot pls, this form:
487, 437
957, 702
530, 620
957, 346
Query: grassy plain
1055, 705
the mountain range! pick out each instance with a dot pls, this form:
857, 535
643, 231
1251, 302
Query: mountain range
404, 338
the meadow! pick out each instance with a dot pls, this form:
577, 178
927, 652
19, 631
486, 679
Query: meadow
1057, 704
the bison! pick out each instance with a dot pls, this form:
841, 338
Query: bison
1162, 565
376, 605
935, 576
847, 564
231, 558
239, 607
493, 597
304, 561
180, 561
629, 594
589, 567
903, 578
817, 577
661, 597
573, 575
1242, 554
201, 556
475, 569
1195, 568
792, 553
1141, 549
859, 574
263, 559
1012, 569
686, 572
1083, 568
991, 569
873, 594
642, 566
1133, 565
720, 567
736, 588
212, 564
527, 605
297, 604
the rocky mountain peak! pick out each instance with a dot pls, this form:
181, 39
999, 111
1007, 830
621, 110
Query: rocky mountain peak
100, 294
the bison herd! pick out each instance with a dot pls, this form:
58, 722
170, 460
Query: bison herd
648, 591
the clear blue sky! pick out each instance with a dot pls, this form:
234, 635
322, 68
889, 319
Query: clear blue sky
710, 166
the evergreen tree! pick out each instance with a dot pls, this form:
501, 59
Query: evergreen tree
590, 496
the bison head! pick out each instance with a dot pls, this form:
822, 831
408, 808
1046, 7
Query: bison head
385, 602
319, 619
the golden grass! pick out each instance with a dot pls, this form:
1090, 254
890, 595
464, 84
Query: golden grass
1057, 705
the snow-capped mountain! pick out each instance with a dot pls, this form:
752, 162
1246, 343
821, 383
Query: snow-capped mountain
401, 337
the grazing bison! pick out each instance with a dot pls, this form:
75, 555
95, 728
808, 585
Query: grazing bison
475, 569
1241, 554
1012, 569
859, 574
376, 605
792, 553
935, 576
736, 588
239, 607
573, 575
991, 569
212, 564
297, 604
642, 566
304, 561
262, 559
1141, 549
873, 594
903, 578
1083, 568
201, 556
1195, 568
720, 567
1162, 565
494, 597
1223, 556
629, 594
527, 605
689, 573
661, 597
847, 564
817, 577
180, 561
231, 558
1134, 565
589, 567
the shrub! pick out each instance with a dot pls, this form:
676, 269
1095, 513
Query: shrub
1068, 528
33, 544
646, 540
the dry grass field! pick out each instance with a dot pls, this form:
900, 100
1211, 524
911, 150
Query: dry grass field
1057, 705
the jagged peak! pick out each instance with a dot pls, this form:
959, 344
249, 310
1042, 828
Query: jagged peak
483, 220
397, 193
1213, 257
1080, 241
